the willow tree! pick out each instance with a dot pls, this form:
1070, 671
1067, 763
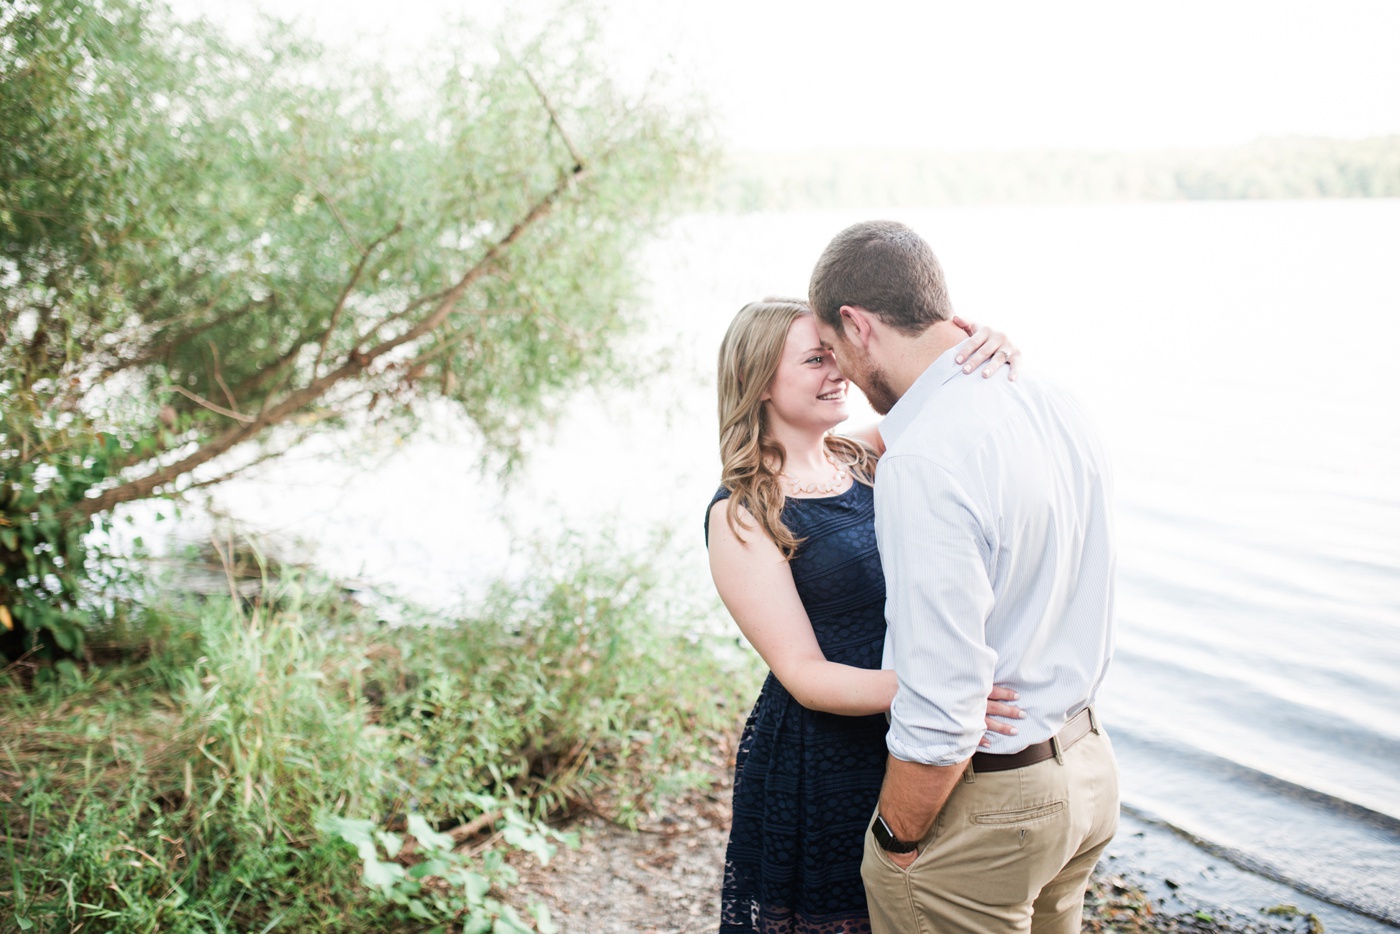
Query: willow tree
208, 251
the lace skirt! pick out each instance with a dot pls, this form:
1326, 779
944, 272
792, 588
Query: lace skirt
805, 786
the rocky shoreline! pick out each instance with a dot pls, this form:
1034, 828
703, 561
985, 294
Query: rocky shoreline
664, 878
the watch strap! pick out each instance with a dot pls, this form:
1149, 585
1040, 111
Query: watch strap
887, 840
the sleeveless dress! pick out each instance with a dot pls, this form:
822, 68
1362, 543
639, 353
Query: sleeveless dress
806, 782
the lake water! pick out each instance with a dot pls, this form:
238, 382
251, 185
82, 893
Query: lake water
1241, 360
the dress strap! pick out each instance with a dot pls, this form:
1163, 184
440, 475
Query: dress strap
721, 493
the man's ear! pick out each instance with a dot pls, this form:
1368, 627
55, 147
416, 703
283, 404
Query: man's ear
858, 323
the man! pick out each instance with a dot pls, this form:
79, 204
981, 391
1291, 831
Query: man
993, 521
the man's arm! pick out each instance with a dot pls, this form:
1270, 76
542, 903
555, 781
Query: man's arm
912, 797
936, 558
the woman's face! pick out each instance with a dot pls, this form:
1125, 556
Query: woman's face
807, 391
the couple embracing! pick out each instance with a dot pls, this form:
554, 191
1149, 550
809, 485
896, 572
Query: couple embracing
934, 599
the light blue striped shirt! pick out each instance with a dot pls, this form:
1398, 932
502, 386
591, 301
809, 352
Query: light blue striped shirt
993, 513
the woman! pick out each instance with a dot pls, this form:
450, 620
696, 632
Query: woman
791, 535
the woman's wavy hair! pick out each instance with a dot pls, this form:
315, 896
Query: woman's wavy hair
751, 460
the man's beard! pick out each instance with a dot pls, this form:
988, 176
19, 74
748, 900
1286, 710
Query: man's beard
870, 378
878, 392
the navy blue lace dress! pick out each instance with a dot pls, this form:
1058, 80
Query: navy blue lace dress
806, 782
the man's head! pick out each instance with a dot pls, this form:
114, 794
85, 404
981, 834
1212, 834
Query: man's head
876, 273
885, 268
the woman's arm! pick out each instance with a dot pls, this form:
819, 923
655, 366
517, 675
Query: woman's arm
869, 436
756, 586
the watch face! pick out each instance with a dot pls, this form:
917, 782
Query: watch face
887, 840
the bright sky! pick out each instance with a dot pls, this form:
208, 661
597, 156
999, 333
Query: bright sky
965, 75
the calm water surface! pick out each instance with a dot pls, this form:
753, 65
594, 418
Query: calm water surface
1241, 360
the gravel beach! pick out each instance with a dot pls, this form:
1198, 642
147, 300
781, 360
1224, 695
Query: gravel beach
664, 878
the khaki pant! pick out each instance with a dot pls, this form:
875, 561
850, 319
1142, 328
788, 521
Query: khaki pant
1011, 851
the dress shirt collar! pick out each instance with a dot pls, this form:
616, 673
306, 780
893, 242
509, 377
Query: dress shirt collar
912, 402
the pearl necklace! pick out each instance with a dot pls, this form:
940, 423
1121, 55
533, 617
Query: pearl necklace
825, 488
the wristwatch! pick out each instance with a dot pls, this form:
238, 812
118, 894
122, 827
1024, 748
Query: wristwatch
887, 840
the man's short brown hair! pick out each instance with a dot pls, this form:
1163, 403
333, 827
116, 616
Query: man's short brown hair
885, 268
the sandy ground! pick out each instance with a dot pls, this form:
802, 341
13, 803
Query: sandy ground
663, 878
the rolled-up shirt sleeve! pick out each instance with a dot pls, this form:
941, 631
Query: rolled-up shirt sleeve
937, 551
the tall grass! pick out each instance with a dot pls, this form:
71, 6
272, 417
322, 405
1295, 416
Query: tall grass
188, 783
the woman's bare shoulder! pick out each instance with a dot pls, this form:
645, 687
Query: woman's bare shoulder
749, 536
722, 508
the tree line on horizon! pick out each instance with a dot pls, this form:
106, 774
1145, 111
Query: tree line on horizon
1285, 168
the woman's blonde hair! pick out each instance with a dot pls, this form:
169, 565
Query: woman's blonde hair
751, 460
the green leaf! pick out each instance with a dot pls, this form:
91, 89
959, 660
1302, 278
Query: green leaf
391, 842
483, 803
476, 888
381, 875
68, 672
66, 636
427, 837
544, 922
510, 923
357, 833
530, 842
430, 867
419, 910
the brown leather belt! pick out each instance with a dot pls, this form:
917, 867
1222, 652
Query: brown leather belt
1076, 729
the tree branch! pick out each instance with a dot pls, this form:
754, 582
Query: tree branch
211, 406
576, 169
345, 294
146, 304
439, 349
475, 826
229, 475
554, 119
355, 364
331, 206
219, 377
274, 369
155, 353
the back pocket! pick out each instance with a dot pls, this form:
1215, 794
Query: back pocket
1020, 816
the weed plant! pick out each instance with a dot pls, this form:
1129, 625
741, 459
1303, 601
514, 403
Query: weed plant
287, 763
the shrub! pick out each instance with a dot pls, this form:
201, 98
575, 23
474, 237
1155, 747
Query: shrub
259, 765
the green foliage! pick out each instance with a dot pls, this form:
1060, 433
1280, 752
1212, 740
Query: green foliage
870, 179
44, 566
208, 252
286, 765
571, 668
444, 886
